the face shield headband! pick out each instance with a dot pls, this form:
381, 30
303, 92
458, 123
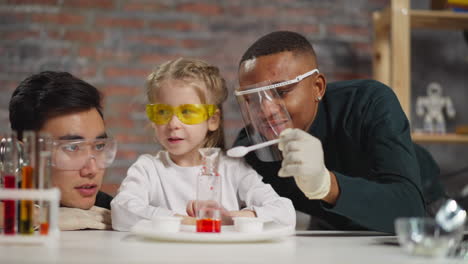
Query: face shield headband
275, 85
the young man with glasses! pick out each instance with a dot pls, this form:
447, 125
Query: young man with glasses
69, 110
347, 156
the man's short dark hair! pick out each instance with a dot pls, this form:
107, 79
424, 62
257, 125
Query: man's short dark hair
50, 94
277, 42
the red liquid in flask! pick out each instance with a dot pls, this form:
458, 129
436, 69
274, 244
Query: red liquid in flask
10, 207
209, 225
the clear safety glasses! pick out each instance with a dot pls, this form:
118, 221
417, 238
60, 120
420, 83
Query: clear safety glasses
75, 154
189, 114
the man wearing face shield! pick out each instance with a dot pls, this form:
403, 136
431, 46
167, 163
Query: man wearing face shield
69, 110
345, 154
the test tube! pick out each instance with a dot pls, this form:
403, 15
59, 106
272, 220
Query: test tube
26, 223
9, 168
44, 180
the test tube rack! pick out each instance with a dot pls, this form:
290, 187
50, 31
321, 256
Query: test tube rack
52, 196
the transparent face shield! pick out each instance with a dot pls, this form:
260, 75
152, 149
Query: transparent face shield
265, 114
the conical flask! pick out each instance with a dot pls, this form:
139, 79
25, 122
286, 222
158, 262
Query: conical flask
208, 203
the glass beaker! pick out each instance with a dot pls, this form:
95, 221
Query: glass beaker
208, 202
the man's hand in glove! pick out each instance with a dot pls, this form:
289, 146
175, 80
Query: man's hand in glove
303, 159
75, 218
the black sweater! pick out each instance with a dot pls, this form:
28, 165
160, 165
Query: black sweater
367, 144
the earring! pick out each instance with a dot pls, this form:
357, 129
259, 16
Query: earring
319, 98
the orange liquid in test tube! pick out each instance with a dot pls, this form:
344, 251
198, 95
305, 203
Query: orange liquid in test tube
26, 206
44, 229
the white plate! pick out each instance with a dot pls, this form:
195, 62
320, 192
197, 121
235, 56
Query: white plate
271, 231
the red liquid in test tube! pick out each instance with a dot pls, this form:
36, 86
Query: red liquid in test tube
10, 207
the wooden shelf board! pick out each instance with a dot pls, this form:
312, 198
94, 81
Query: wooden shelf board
438, 19
443, 138
427, 19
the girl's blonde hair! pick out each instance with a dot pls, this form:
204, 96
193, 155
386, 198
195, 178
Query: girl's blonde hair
195, 72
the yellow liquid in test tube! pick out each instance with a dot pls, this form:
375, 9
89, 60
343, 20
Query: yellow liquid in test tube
26, 206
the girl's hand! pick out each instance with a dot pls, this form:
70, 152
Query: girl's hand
187, 220
192, 205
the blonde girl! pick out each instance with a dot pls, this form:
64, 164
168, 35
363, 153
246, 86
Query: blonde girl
185, 98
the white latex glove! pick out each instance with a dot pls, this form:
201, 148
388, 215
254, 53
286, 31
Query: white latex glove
303, 159
76, 219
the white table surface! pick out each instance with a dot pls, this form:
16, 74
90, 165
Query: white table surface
315, 247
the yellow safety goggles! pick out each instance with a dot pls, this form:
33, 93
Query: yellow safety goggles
189, 114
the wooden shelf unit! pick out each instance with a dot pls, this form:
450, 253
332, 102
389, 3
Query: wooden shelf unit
443, 138
392, 51
438, 19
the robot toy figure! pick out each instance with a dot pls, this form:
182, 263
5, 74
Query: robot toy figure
432, 106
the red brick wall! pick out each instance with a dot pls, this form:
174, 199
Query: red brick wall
114, 44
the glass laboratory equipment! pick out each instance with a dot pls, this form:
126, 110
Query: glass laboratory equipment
208, 203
